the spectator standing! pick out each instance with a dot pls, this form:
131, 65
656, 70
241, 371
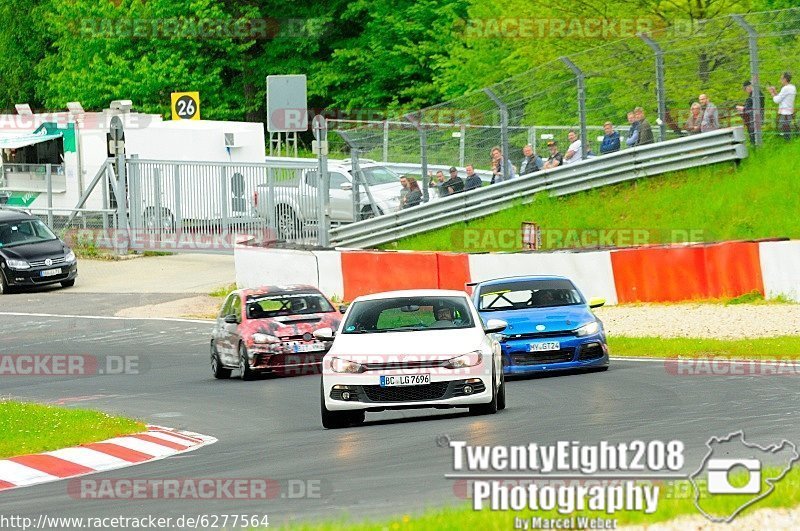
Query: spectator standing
785, 100
748, 112
574, 151
710, 120
695, 118
473, 179
454, 184
497, 165
610, 142
633, 132
414, 196
645, 132
555, 159
403, 190
437, 182
531, 162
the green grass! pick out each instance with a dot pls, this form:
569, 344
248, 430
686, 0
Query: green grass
757, 200
31, 428
658, 347
675, 499
223, 291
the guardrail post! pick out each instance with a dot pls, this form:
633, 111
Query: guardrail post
320, 127
752, 39
423, 155
503, 129
581, 81
660, 90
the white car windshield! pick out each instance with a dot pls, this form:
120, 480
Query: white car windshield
526, 294
380, 175
24, 231
405, 314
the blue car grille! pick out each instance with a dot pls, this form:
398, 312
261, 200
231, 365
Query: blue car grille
536, 358
540, 335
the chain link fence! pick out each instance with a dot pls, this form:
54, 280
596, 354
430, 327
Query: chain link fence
663, 72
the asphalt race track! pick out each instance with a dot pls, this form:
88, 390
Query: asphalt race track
392, 465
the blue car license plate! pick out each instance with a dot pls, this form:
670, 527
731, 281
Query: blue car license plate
545, 346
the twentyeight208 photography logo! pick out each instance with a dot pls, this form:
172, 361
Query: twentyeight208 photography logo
735, 477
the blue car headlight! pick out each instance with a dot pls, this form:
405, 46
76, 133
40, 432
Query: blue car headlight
588, 329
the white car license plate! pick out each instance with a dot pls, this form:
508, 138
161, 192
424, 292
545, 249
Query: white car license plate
308, 347
547, 345
405, 379
49, 272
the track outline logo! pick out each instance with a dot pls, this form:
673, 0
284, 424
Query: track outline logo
772, 449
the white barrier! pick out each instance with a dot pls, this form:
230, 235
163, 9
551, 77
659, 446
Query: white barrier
590, 271
780, 268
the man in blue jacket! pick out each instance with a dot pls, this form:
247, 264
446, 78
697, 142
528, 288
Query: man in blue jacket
610, 142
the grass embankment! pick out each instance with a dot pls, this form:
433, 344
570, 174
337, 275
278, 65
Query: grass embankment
768, 348
721, 202
31, 428
675, 500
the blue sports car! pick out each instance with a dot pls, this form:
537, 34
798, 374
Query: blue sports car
550, 325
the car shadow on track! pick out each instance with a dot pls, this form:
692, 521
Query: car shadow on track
550, 374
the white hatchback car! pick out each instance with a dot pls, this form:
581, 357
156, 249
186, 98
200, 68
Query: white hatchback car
410, 349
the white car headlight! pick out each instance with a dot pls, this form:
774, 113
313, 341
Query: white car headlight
465, 360
343, 365
70, 257
588, 329
265, 338
18, 264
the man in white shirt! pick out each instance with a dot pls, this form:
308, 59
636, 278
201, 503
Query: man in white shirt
785, 100
574, 152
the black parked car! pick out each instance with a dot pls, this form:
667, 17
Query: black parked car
31, 255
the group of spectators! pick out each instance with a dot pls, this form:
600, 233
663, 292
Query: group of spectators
703, 117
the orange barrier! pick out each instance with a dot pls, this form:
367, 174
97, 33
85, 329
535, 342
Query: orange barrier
371, 272
669, 274
453, 270
733, 268
365, 272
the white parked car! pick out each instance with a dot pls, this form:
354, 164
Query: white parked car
295, 201
410, 349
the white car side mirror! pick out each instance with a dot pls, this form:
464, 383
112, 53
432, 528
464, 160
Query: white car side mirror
346, 186
494, 326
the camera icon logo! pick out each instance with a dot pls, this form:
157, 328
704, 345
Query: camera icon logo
720, 472
738, 474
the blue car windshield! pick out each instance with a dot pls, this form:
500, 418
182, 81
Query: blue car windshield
527, 294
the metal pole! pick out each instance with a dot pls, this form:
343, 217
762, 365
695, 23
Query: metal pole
503, 130
752, 39
323, 182
423, 154
462, 144
386, 141
660, 90
122, 201
49, 177
580, 79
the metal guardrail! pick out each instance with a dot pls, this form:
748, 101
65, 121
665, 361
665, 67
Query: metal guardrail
690, 152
